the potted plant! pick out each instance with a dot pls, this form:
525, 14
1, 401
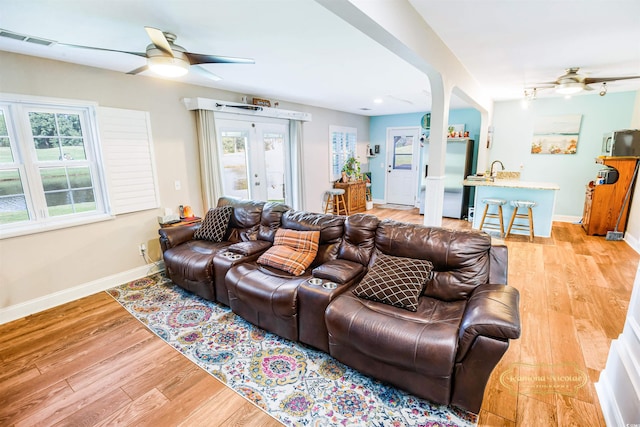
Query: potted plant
352, 168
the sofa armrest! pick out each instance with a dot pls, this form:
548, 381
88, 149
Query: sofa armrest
174, 236
498, 264
252, 247
339, 270
492, 311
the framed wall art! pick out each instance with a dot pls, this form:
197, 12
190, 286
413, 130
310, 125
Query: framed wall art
556, 134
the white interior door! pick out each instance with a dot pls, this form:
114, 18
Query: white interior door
253, 159
402, 165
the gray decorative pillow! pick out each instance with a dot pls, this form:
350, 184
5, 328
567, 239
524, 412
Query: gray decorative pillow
395, 281
214, 225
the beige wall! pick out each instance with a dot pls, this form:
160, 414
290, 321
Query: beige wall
42, 264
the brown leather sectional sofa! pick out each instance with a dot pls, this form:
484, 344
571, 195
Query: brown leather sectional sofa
444, 351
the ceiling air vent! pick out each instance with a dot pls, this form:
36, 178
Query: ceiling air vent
23, 38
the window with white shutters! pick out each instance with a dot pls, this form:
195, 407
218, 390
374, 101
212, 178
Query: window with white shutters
342, 142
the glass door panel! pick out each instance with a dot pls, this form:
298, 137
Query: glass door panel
274, 163
253, 159
234, 162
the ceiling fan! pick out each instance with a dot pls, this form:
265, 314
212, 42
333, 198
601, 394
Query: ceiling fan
572, 82
168, 59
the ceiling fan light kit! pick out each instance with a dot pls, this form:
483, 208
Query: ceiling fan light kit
569, 88
167, 66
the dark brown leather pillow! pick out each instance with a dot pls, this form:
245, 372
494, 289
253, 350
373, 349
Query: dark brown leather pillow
395, 281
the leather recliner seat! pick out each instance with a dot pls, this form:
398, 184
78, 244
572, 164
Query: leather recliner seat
189, 262
446, 350
267, 296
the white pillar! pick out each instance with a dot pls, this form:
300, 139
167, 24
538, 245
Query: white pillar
434, 184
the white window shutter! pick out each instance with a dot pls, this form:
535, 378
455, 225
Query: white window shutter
127, 147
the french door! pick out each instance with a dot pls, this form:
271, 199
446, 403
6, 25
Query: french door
402, 165
253, 157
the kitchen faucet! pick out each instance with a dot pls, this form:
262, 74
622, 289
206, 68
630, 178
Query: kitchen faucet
493, 164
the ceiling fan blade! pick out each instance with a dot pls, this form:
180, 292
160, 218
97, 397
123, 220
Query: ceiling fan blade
142, 54
196, 58
139, 70
587, 87
541, 84
159, 40
589, 80
205, 73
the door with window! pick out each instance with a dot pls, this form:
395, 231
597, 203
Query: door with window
402, 165
253, 159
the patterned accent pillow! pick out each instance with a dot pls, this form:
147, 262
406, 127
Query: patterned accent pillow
215, 224
395, 281
292, 251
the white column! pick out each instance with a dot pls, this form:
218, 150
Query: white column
434, 184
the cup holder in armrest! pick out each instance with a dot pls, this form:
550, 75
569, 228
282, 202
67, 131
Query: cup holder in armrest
329, 285
231, 255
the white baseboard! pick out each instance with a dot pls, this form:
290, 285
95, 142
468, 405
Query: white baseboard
17, 311
632, 241
567, 218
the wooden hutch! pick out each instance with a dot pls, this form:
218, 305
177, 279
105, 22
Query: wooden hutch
354, 195
603, 203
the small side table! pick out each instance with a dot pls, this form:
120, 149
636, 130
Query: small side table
183, 221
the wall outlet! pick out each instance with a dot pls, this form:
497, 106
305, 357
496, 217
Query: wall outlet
142, 248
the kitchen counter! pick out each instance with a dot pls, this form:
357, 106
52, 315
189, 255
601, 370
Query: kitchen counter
512, 184
543, 193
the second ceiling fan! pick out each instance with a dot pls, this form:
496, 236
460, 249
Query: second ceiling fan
572, 82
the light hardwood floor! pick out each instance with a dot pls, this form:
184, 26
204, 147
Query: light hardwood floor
89, 362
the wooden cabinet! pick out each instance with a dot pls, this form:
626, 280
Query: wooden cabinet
603, 203
354, 195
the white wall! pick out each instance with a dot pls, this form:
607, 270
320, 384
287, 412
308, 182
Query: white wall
61, 262
619, 385
632, 236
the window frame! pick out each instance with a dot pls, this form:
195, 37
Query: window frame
25, 158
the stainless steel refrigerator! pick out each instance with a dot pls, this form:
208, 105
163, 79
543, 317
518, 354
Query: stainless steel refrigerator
458, 165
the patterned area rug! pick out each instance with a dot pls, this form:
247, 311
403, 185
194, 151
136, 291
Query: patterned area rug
296, 384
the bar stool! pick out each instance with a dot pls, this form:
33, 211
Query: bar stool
498, 215
529, 215
335, 197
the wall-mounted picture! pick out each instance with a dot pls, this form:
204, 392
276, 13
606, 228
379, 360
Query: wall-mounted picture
556, 134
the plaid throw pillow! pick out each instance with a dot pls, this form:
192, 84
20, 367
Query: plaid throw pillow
214, 225
395, 281
292, 251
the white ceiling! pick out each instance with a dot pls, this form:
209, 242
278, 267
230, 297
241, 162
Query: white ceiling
305, 54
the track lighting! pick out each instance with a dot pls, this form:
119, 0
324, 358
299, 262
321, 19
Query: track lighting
529, 95
603, 89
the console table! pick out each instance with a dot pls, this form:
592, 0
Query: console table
354, 195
